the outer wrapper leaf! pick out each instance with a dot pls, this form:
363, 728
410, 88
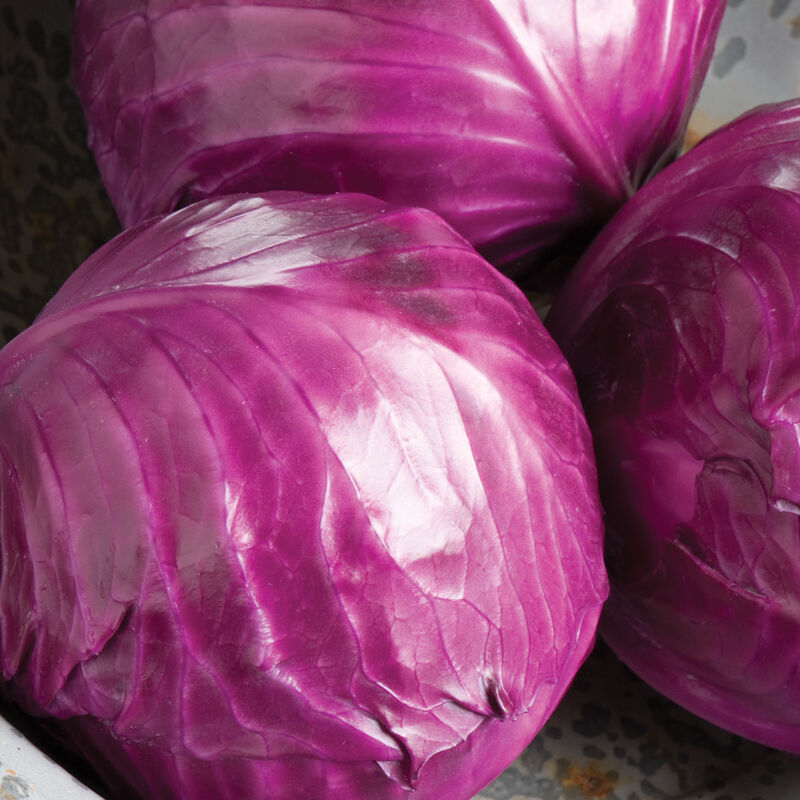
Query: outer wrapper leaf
524, 124
682, 326
297, 501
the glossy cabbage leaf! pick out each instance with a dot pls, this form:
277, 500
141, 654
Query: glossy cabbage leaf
297, 500
682, 326
524, 124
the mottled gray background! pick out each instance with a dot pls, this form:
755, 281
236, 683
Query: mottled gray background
757, 61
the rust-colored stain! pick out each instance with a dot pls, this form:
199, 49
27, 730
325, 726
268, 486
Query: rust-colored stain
794, 25
700, 125
42, 224
692, 138
589, 780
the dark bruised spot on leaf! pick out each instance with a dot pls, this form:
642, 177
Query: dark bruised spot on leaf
424, 308
395, 271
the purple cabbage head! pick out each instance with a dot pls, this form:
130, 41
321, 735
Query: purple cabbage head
524, 124
297, 500
682, 325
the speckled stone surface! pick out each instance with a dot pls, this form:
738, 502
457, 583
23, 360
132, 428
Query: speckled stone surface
757, 60
53, 209
612, 738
